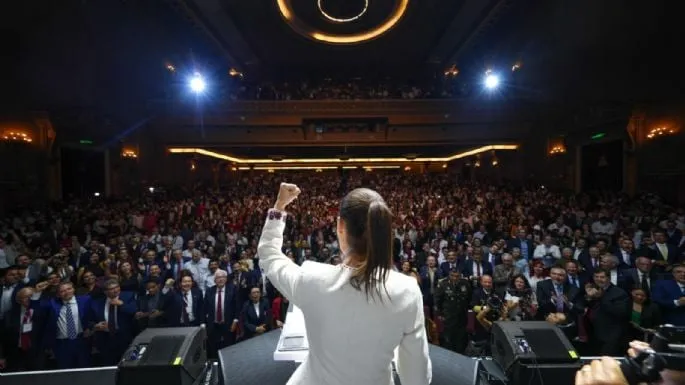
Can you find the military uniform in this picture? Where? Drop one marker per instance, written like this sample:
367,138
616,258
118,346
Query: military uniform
452,300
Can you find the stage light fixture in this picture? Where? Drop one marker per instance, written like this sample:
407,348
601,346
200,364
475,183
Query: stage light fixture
197,83
491,81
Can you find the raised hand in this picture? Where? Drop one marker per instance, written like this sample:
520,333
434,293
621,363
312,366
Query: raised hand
286,194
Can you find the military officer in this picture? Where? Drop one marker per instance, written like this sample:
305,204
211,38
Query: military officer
452,302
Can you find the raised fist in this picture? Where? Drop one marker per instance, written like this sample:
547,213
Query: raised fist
286,194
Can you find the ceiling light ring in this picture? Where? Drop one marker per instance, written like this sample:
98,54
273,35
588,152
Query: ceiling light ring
286,11
325,14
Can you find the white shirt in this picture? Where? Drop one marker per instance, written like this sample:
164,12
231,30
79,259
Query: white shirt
256,308
62,319
27,326
199,270
357,348
614,276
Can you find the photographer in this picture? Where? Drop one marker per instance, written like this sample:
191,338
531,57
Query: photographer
607,371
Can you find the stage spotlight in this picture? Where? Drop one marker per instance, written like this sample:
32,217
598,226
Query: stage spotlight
97,194
197,83
491,81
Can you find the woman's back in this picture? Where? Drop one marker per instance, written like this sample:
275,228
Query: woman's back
351,338
353,323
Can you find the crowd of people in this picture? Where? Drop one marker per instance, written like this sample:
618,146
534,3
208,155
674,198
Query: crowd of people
81,279
237,89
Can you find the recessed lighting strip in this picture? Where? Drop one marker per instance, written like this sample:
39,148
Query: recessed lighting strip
243,161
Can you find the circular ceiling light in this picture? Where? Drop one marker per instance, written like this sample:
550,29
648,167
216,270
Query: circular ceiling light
364,7
306,30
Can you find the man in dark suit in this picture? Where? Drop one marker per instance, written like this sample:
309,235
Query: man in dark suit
255,315
626,254
609,310
474,268
557,295
112,321
66,328
221,307
24,327
573,275
152,307
187,307
450,264
670,295
11,284
523,243
641,276
590,261
665,254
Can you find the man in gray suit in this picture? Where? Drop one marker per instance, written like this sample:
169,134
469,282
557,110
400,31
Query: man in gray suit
31,269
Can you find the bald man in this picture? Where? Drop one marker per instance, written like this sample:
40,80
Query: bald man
221,306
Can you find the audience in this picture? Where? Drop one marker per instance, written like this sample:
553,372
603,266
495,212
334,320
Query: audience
79,280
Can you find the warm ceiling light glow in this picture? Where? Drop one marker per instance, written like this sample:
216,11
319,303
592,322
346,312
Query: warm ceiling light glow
170,68
660,131
339,20
452,71
516,67
129,153
315,168
407,168
390,22
16,136
234,72
232,159
558,149
444,165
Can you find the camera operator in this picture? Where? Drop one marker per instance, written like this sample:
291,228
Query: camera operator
607,371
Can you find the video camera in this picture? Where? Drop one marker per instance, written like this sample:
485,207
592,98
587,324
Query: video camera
667,351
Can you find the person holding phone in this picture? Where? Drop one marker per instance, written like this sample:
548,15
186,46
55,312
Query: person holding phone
358,312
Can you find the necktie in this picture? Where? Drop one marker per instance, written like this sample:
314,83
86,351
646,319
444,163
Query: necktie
560,298
25,338
72,334
477,269
574,281
219,306
178,269
112,319
645,283
186,318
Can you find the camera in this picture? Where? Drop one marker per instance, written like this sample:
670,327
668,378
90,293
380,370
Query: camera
666,352
496,306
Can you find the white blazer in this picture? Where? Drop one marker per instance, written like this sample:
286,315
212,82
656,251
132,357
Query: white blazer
352,339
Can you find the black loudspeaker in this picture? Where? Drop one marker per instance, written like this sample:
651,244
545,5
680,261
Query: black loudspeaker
534,352
170,356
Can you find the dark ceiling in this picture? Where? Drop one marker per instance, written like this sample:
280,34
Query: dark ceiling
281,51
107,58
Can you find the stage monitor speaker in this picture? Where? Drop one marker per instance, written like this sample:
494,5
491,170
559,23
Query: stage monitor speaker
172,356
534,351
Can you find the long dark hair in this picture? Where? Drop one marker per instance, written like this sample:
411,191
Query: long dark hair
368,225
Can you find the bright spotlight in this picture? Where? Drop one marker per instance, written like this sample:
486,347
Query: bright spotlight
97,194
491,81
197,83
152,190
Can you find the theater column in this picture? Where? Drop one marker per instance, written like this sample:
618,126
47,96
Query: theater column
108,174
578,168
